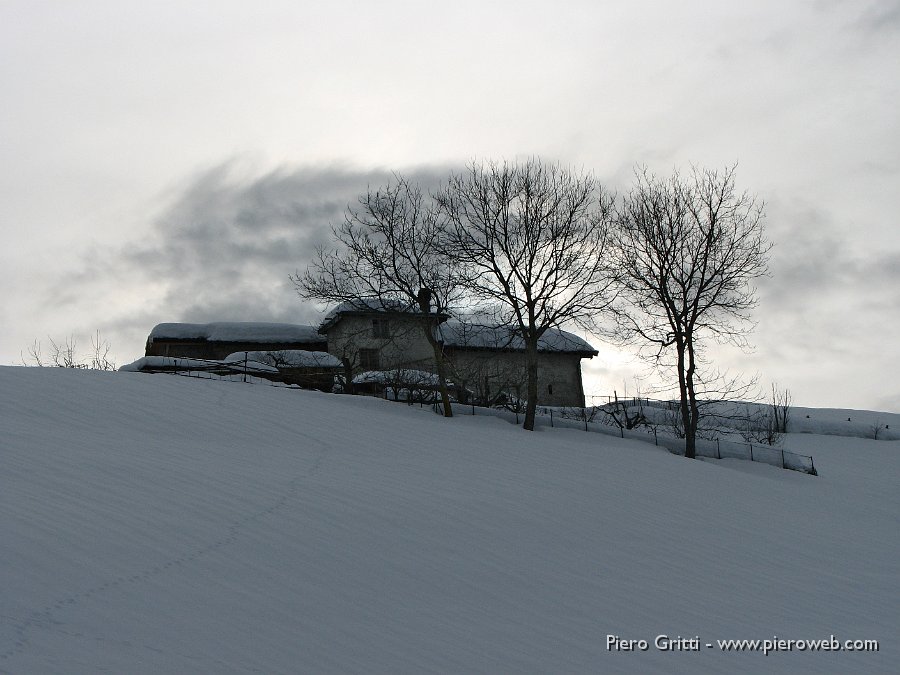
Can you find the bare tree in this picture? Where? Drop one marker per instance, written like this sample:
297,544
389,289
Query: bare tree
687,250
65,354
768,423
781,408
390,249
759,425
532,238
621,413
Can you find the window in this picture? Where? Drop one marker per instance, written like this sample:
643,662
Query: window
550,389
368,359
381,328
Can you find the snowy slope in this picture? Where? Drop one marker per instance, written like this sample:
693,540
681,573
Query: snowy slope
152,523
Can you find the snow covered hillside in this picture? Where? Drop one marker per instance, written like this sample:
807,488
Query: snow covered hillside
159,524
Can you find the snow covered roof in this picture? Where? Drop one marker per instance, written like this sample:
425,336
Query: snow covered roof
290,358
236,331
462,335
373,305
368,305
459,335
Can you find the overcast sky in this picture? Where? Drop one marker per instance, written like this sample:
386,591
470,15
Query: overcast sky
176,161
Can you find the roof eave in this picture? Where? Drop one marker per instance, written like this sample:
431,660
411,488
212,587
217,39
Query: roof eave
584,354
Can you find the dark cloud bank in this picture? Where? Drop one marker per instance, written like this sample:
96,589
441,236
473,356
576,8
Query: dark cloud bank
225,247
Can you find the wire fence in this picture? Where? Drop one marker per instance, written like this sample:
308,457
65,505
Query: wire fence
593,420
596,419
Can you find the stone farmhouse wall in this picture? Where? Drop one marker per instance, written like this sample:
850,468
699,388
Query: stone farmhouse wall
400,345
487,372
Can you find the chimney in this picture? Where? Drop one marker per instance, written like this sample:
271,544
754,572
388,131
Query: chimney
425,300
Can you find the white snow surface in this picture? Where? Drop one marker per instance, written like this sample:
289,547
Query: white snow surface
290,358
237,331
169,524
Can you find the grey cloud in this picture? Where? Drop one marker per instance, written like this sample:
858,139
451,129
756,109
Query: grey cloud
829,296
225,245
880,18
811,256
875,16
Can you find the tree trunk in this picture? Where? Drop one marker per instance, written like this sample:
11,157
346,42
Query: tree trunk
348,375
441,368
531,371
685,387
692,393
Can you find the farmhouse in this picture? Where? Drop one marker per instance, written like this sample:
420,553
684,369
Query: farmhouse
485,363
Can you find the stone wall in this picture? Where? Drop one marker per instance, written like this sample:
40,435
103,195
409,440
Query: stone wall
487,372
401,345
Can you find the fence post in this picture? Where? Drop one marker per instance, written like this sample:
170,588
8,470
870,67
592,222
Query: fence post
551,418
782,458
751,452
718,450
245,366
655,439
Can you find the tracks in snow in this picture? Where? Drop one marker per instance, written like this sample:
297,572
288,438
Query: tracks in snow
43,619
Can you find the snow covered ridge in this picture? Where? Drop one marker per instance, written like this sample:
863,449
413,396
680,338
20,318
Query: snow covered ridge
175,525
236,331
